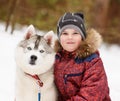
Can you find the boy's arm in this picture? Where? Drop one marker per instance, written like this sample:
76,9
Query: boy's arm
94,85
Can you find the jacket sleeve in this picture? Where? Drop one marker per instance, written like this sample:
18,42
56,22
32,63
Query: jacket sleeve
94,85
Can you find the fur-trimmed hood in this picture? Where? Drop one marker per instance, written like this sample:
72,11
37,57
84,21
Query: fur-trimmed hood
88,46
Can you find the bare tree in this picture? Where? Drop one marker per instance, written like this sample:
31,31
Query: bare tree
101,14
11,17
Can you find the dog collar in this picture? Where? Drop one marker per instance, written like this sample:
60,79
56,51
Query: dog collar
36,77
39,82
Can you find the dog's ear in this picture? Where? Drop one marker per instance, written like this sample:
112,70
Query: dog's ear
50,38
30,31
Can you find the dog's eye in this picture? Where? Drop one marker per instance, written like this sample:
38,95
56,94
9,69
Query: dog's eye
29,48
41,51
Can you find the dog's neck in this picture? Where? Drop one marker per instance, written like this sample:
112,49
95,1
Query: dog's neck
36,77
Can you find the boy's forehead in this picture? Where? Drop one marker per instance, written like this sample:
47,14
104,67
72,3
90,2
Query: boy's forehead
70,30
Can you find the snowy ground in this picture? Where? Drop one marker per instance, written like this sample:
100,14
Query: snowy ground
109,54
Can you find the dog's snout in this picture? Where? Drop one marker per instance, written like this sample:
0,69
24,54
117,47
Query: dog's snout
33,57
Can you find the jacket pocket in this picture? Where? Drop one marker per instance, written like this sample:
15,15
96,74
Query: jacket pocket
66,76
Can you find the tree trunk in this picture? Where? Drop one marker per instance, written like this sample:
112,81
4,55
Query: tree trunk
101,12
11,11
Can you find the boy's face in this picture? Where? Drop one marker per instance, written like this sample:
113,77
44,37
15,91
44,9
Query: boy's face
70,39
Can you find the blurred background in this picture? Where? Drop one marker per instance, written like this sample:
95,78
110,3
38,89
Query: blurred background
103,15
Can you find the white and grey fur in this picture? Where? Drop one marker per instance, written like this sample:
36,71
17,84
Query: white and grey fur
35,55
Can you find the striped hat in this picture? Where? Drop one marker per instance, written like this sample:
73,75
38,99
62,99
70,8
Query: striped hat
72,20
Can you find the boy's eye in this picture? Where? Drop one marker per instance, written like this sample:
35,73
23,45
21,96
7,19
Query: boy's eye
64,33
29,48
41,51
75,33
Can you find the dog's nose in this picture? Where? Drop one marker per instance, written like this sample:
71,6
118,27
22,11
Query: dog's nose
33,57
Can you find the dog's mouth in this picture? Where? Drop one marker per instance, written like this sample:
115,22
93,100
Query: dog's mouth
32,63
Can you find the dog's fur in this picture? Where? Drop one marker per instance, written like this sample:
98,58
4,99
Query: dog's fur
35,56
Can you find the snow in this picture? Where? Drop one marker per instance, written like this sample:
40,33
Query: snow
109,54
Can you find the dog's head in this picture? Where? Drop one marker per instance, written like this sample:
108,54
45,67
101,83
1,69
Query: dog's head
35,53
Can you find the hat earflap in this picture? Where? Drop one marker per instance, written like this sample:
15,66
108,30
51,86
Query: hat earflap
80,15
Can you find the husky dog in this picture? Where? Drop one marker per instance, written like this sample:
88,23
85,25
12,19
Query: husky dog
34,58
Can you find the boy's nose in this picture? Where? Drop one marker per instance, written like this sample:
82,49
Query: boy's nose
70,36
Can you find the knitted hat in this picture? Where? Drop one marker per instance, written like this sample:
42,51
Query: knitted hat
72,20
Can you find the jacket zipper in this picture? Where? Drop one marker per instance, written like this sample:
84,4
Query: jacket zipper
71,75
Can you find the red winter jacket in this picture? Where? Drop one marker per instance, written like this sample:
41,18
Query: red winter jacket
80,76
